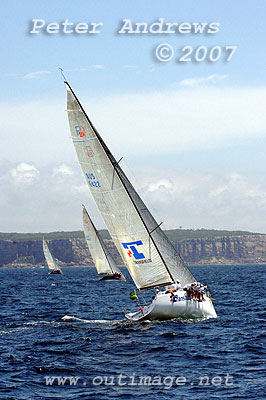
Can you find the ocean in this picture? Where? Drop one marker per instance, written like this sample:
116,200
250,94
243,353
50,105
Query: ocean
66,337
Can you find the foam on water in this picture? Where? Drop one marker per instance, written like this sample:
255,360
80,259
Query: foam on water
90,321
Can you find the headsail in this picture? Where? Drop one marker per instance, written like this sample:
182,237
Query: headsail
101,256
49,258
148,254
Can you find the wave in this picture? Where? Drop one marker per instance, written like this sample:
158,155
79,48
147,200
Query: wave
90,321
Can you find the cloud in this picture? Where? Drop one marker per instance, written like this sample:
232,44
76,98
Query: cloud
161,123
62,170
41,172
98,66
36,74
239,188
211,79
140,124
25,173
35,199
163,183
49,198
211,200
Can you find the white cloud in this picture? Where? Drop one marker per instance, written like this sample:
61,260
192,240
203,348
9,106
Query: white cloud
34,200
156,123
163,183
45,201
239,188
176,121
62,170
211,79
210,200
98,66
25,173
35,75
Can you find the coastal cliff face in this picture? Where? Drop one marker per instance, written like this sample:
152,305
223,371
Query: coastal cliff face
224,250
221,250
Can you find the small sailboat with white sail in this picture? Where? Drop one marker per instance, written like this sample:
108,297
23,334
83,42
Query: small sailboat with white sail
52,265
102,258
150,257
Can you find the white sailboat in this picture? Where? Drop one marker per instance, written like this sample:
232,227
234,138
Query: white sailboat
53,267
101,256
151,259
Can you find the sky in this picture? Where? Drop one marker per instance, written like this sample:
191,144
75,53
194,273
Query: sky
192,133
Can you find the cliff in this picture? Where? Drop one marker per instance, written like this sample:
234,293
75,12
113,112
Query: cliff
248,249
243,249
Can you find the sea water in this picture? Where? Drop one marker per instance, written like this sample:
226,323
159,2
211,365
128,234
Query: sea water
66,337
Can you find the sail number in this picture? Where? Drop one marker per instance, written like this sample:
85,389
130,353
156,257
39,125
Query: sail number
92,180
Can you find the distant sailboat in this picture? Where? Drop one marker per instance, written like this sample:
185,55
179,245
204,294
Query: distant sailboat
53,267
101,256
150,257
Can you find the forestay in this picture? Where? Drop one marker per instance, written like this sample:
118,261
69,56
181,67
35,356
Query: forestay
148,254
102,258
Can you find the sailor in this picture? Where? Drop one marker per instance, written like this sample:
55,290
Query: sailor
173,288
192,289
187,288
197,291
205,292
200,292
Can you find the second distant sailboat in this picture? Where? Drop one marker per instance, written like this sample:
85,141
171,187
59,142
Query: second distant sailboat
101,256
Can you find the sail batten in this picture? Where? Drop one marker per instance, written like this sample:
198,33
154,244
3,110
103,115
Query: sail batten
125,214
84,140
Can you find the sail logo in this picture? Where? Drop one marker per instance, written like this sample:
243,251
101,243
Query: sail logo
174,298
89,151
80,130
132,251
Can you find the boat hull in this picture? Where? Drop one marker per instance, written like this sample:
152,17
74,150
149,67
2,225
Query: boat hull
113,277
57,271
166,307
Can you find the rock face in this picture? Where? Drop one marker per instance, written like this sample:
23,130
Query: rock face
224,250
221,250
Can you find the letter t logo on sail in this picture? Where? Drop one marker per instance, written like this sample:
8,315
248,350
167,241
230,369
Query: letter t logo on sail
131,246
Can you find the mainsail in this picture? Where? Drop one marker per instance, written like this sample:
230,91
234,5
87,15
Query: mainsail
101,256
148,254
49,258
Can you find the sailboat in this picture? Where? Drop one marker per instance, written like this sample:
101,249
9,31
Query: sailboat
53,267
150,257
101,256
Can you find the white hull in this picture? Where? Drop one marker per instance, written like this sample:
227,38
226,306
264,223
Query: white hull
162,308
